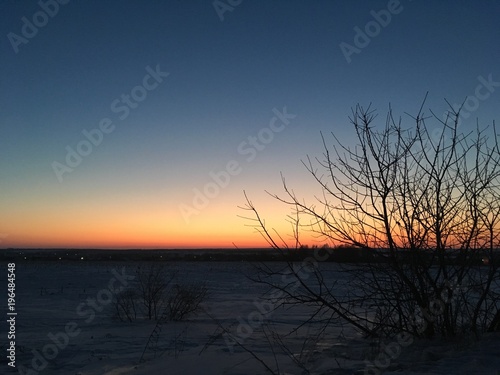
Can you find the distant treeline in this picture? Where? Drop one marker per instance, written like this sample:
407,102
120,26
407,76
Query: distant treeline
338,254
191,255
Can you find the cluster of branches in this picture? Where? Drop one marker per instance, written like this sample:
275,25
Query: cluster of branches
156,296
425,204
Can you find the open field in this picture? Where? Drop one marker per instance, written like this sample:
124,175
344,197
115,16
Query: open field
66,325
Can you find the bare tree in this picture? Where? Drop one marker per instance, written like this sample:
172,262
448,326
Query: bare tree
160,297
152,285
185,300
426,207
125,305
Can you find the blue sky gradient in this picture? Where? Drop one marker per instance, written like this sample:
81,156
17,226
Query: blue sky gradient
225,78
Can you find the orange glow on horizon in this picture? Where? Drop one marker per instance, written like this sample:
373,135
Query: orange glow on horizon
87,219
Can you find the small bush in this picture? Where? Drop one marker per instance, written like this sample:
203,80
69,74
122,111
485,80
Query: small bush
152,297
125,305
185,300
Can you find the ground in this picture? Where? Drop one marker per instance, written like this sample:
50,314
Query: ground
65,325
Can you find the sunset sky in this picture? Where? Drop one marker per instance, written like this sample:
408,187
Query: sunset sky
117,116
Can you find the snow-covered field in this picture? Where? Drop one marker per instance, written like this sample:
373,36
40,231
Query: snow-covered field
65,325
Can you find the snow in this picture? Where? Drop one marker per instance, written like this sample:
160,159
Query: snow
53,296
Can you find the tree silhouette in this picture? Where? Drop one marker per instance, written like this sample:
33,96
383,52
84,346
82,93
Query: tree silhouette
425,204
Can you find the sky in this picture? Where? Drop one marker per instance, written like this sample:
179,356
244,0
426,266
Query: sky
139,124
